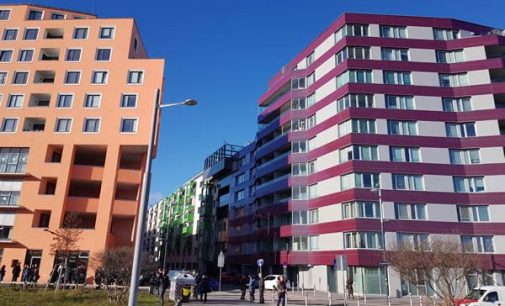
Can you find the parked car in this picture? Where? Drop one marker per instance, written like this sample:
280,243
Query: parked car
483,296
271,280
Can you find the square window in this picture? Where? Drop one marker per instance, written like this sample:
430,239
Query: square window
128,125
80,33
91,125
92,101
25,55
106,33
64,101
56,16
10,34
135,77
103,54
20,78
72,77
129,101
5,14
63,125
31,34
99,77
5,56
15,101
35,15
9,125
73,55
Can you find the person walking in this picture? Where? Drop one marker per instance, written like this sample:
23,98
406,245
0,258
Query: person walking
2,273
35,274
252,287
243,286
281,288
349,288
261,288
164,285
198,279
15,272
204,288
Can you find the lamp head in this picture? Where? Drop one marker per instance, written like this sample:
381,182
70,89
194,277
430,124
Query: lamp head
190,102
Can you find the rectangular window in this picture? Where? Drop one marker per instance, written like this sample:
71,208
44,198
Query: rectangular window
56,16
311,122
64,101
298,103
13,160
353,53
129,101
477,244
299,169
397,78
404,154
15,101
355,101
239,179
135,77
80,33
457,104
91,125
25,55
450,57
73,55
92,101
5,232
473,213
3,78
5,14
468,184
35,15
128,125
460,130
362,240
240,195
445,34
99,77
464,157
311,78
407,182
351,30
358,152
311,100
300,193
299,146
410,211
5,56
72,77
413,241
298,83
20,78
393,31
9,198
361,209
9,125
305,243
103,54
10,34
106,32
31,34
453,80
397,127
298,125
392,54
313,191
359,180
354,76
63,125
364,126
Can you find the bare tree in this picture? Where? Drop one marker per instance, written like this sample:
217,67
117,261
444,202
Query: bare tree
442,267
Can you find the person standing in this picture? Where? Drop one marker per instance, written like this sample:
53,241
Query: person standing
2,273
243,286
281,291
261,287
204,288
15,272
198,279
350,289
252,287
164,285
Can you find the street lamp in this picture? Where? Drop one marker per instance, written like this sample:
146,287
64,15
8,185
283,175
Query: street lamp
383,234
132,300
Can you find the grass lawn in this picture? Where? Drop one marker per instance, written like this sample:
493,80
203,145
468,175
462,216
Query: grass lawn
88,297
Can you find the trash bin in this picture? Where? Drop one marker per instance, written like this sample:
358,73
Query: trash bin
186,293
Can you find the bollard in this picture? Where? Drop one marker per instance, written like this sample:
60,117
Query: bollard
389,300
410,299
359,298
420,300
329,297
364,296
314,290
345,297
306,299
286,299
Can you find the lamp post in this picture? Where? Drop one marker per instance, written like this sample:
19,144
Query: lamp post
146,181
383,235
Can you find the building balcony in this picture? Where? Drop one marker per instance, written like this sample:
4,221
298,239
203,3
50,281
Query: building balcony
82,172
273,164
81,204
124,207
129,176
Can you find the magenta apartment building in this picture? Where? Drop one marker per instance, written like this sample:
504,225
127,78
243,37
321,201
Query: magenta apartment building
408,108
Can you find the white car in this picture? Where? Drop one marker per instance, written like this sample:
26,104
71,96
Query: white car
271,280
484,296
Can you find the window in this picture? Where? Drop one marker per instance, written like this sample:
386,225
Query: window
355,101
9,198
365,126
354,76
15,101
299,193
299,169
457,104
399,102
363,240
35,15
240,195
103,54
311,122
412,182
358,152
351,30
129,101
397,78
56,16
64,101
99,77
128,125
477,244
63,125
359,180
5,56
397,127
410,211
460,129
13,160
353,53
450,57
31,34
453,80
414,241
106,32
5,232
80,33
239,179
5,14
298,83
473,213
305,243
393,32
9,125
298,125
404,154
25,55
464,157
445,34
298,103
10,34
299,146
3,78
20,78
468,184
313,191
392,54
311,100
72,77
304,217
135,77
311,78
73,55
92,101
361,209
91,125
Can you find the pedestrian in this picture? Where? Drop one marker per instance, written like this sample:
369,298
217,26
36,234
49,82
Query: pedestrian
98,277
164,285
261,287
349,288
15,271
281,288
243,286
35,274
2,273
25,276
198,278
252,287
204,288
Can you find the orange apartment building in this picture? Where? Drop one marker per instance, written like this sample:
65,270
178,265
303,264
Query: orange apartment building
76,101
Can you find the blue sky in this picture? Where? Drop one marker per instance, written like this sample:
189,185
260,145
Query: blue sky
223,52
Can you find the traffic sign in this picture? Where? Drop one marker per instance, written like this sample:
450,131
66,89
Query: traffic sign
220,260
260,262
